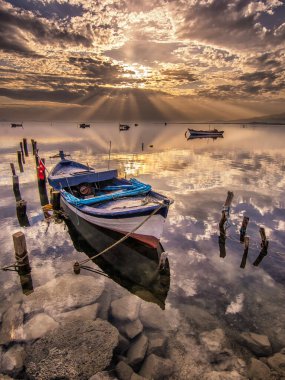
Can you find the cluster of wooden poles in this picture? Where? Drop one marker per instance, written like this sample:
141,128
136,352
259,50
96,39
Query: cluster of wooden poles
22,264
244,239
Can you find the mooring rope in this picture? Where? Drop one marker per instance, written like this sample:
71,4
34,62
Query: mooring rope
123,238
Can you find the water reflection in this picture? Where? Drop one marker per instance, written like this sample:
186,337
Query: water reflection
215,280
131,264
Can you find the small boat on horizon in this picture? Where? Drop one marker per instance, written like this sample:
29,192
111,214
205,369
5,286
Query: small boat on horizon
83,125
129,207
15,125
209,133
124,127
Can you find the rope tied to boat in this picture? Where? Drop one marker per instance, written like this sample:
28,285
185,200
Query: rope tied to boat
77,264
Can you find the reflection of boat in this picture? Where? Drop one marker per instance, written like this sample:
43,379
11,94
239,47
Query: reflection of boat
124,127
101,198
83,125
210,133
130,264
15,125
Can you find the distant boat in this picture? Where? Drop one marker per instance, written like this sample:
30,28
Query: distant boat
103,199
210,133
83,125
213,137
15,125
124,127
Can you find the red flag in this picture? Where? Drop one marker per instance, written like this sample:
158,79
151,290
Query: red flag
41,170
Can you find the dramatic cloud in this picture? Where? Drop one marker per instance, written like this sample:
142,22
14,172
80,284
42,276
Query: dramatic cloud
158,53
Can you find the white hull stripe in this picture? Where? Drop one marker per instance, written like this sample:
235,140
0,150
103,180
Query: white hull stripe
153,226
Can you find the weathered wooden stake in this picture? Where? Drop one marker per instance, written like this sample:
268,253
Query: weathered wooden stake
22,152
13,168
43,192
21,209
229,199
16,188
264,247
21,253
245,252
19,154
33,146
55,200
25,147
222,245
243,228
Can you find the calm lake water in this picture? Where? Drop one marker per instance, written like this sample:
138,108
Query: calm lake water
205,298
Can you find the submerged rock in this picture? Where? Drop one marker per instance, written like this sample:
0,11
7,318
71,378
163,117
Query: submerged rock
38,326
12,324
103,376
153,317
137,350
126,308
83,313
13,360
76,350
277,362
258,344
258,370
156,344
213,340
131,329
156,367
65,293
124,371
224,375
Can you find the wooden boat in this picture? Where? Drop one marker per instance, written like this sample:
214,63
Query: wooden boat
83,125
15,125
124,127
210,132
103,199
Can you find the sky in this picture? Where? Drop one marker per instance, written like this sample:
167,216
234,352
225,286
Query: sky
132,60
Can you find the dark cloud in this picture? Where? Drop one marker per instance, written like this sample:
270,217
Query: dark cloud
227,23
41,95
80,96
52,9
258,76
102,70
180,75
14,24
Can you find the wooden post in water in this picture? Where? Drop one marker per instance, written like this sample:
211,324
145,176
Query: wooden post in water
33,146
245,252
19,155
13,168
222,224
21,209
16,188
55,200
21,253
36,153
22,152
25,147
243,228
264,247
